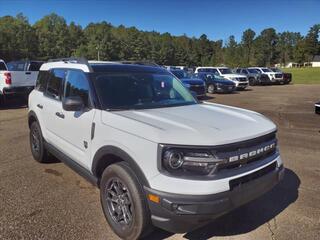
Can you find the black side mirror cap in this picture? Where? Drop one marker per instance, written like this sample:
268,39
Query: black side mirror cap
73,104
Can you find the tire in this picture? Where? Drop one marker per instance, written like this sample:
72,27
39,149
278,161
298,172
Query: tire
120,184
252,81
38,150
211,89
1,100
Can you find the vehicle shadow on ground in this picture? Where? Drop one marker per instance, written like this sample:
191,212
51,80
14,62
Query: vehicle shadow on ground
13,104
250,216
205,98
246,89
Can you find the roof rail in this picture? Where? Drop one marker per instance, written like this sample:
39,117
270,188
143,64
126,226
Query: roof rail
79,60
147,63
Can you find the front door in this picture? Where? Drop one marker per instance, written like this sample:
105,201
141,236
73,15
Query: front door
77,125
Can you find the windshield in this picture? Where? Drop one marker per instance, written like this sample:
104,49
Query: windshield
181,74
136,90
266,70
225,71
253,70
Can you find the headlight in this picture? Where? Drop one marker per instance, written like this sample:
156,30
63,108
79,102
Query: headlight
187,85
189,161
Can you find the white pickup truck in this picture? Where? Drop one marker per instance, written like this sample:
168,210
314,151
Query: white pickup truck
18,77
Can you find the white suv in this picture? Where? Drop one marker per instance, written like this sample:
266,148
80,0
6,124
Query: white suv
274,77
159,157
240,80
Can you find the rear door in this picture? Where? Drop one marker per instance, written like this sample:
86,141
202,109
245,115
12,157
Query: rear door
52,108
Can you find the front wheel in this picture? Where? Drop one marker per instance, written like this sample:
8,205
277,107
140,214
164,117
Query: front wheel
124,203
252,81
211,89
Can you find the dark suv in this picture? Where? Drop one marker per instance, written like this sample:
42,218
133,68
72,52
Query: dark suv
215,83
194,84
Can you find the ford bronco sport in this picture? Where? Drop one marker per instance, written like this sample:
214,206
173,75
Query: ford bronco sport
159,157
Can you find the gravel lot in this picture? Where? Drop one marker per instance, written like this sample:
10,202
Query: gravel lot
50,201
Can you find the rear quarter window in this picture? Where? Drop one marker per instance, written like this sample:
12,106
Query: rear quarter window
42,81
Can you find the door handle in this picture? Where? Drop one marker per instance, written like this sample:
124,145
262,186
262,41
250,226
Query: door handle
39,106
28,73
60,115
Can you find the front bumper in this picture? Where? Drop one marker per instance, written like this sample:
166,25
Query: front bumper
242,85
182,213
277,81
225,88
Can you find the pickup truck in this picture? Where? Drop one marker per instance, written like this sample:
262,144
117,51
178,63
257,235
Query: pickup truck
18,77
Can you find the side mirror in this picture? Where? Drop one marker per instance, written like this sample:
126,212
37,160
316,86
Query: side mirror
73,104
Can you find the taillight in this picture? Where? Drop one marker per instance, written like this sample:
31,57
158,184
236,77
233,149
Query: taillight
7,78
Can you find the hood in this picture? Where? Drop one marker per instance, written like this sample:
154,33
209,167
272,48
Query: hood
203,124
192,81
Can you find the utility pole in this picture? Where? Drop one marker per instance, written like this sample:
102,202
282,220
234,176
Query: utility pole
98,48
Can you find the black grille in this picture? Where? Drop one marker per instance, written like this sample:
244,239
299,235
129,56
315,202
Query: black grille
247,178
278,75
198,89
242,79
244,148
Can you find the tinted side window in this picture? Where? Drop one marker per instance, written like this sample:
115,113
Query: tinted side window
244,71
238,70
42,80
35,66
77,85
55,83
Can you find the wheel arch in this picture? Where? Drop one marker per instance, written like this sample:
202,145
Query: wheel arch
108,155
32,117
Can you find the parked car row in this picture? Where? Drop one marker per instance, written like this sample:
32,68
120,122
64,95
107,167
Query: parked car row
19,78
226,80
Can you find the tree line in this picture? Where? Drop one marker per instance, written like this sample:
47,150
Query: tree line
52,37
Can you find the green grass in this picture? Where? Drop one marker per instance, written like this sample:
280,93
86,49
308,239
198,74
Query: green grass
304,75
